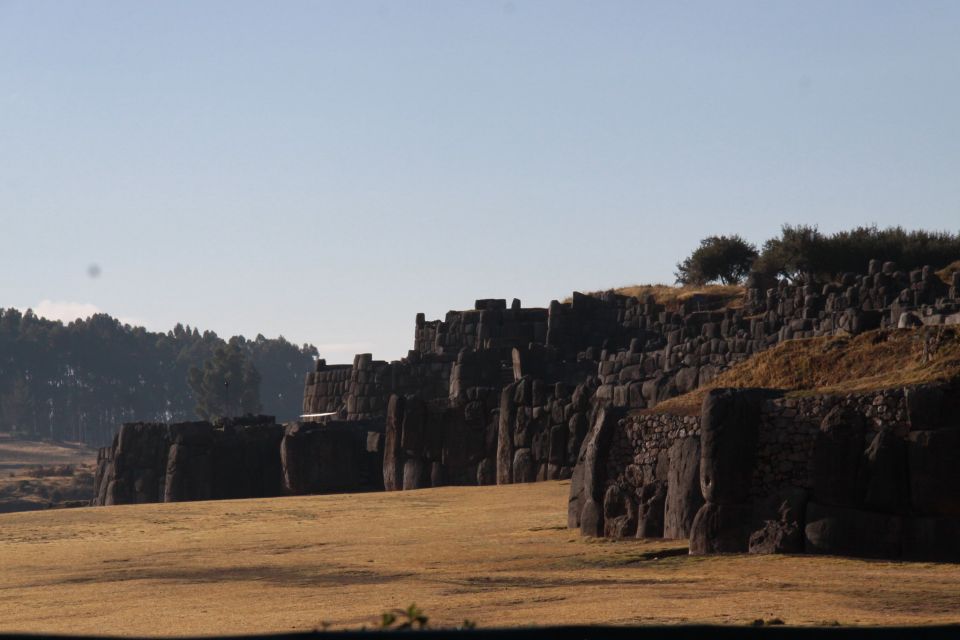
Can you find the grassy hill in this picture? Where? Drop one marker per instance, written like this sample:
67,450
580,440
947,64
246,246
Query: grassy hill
873,360
711,296
499,556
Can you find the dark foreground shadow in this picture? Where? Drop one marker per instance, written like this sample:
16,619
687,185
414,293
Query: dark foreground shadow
598,633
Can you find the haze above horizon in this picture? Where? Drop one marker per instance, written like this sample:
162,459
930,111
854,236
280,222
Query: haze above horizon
327,170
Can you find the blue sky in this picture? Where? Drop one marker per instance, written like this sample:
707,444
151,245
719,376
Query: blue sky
326,170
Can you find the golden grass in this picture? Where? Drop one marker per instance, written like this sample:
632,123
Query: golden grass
18,455
20,490
946,274
881,359
717,296
499,556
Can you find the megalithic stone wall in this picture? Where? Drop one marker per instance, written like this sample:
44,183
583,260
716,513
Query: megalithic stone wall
250,457
866,474
596,351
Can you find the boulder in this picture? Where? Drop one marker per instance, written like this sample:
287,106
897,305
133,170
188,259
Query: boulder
658,389
721,528
486,472
619,514
934,468
783,519
777,537
524,469
413,474
686,379
650,512
851,532
591,519
683,498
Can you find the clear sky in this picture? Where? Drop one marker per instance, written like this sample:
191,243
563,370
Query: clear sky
325,170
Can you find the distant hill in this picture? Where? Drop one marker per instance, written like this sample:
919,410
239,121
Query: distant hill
36,474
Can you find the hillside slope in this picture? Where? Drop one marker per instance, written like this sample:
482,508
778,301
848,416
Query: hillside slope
870,361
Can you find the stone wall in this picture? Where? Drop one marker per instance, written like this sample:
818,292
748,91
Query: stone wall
250,457
789,428
646,476
866,474
603,350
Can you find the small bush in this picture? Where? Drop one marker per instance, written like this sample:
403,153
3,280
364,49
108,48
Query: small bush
402,619
53,471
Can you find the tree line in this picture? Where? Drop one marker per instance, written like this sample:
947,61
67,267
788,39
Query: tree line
803,252
79,381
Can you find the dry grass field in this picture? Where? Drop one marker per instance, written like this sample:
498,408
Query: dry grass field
35,473
499,556
713,296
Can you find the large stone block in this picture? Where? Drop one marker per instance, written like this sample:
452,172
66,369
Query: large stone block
412,438
619,514
934,459
838,456
586,489
721,528
683,498
730,420
189,473
486,472
415,474
650,511
852,532
524,469
505,447
886,481
393,454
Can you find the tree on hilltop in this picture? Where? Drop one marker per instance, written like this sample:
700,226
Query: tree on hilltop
724,259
